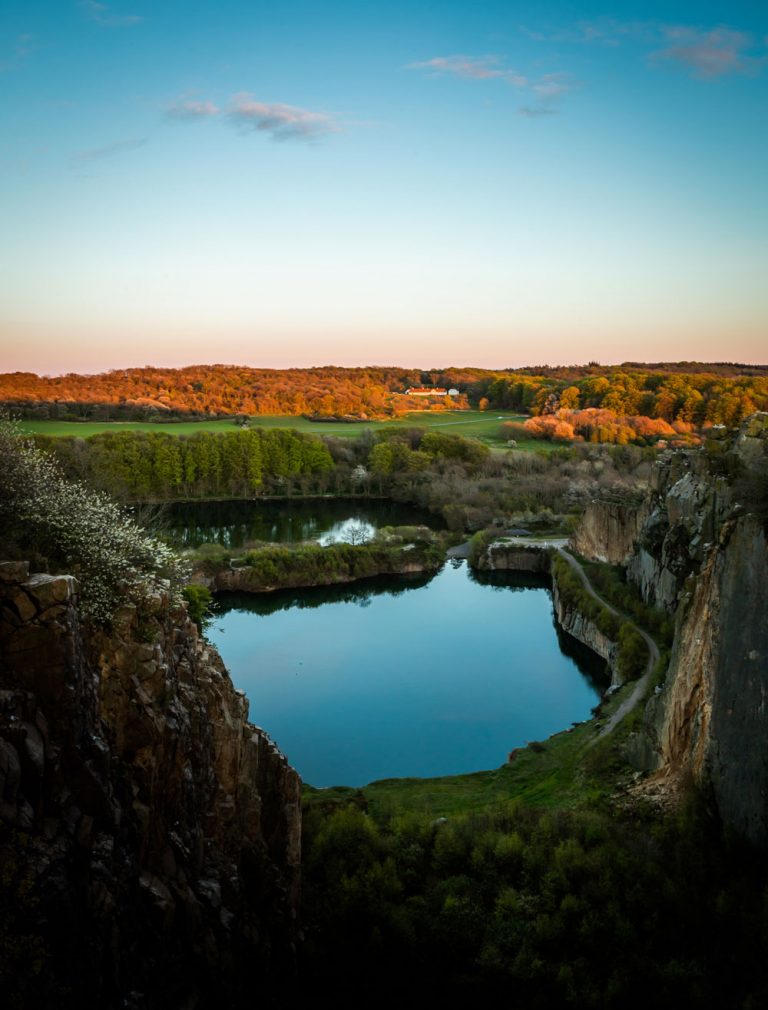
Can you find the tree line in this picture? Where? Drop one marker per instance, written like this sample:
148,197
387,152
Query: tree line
695,398
155,466
690,392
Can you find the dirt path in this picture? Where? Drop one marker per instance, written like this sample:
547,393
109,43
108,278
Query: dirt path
641,685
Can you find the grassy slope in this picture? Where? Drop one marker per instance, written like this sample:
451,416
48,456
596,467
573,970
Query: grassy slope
478,424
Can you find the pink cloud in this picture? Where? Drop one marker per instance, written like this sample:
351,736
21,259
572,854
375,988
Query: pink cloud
281,122
708,54
193,110
478,68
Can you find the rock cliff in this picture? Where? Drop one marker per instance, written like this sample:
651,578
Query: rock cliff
702,555
150,834
580,627
609,530
663,539
511,557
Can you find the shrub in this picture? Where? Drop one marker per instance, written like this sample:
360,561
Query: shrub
79,528
198,601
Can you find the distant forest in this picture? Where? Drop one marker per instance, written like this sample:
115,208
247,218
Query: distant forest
691,393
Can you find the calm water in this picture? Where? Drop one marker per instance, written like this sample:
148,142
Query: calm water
236,523
405,678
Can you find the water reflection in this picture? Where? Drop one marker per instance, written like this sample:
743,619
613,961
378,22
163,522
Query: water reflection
359,594
403,676
236,524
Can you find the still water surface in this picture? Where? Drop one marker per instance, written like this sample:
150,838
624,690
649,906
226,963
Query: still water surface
328,520
405,677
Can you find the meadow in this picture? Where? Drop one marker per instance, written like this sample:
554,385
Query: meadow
483,425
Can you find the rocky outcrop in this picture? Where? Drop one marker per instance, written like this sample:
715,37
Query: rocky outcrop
709,721
663,539
703,554
511,557
577,624
151,834
246,580
609,530
691,501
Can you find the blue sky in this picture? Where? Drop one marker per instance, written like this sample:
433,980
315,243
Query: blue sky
425,184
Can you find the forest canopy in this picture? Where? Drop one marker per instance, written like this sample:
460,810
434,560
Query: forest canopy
693,393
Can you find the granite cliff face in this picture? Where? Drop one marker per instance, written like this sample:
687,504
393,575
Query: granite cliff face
663,539
609,530
511,557
709,720
702,555
150,833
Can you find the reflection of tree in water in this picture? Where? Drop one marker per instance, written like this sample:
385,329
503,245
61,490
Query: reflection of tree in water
516,581
236,524
360,594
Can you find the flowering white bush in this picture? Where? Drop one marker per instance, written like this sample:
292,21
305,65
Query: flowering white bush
114,559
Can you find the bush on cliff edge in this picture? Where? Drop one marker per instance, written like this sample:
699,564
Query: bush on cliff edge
43,512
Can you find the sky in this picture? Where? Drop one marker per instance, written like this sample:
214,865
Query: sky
417,183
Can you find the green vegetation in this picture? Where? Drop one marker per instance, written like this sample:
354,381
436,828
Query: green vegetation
574,595
632,651
50,520
199,600
438,469
611,582
587,907
85,429
156,466
309,564
475,423
478,544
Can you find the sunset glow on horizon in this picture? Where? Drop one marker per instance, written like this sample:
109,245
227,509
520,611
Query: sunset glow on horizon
495,185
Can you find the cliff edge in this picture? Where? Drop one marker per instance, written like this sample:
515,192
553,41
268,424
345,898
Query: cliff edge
149,834
700,552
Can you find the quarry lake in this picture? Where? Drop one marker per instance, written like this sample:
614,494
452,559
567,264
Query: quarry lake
236,523
405,676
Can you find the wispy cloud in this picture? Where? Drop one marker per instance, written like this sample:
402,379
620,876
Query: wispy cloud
708,54
109,150
552,86
102,14
281,122
477,68
534,111
276,119
545,91
192,110
549,90
604,31
22,47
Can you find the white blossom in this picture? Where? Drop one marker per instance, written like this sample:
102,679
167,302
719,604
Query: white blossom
112,557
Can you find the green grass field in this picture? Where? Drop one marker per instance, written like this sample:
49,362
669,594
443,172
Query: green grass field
483,425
